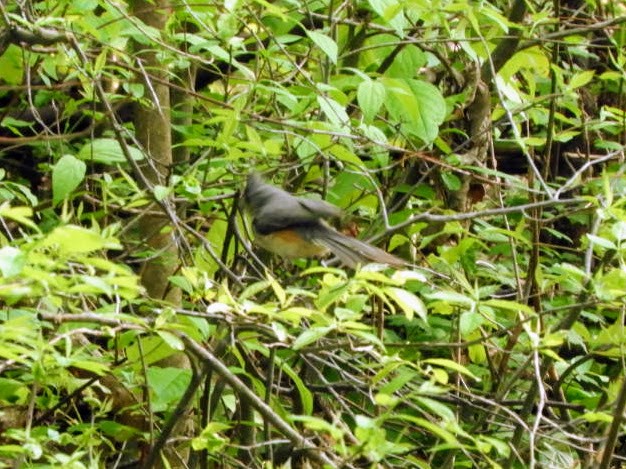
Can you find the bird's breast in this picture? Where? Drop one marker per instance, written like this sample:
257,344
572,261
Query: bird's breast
289,244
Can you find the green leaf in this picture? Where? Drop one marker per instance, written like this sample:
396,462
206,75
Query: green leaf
619,230
279,291
11,64
452,365
612,285
12,260
469,322
371,96
603,417
161,192
451,297
418,105
581,79
172,340
502,447
311,335
334,111
477,352
67,175
509,306
408,302
431,427
438,408
328,296
167,386
451,181
601,242
21,215
107,151
391,11
210,438
533,58
318,424
92,284
407,63
402,276
117,430
71,239
96,367
306,396
343,154
326,44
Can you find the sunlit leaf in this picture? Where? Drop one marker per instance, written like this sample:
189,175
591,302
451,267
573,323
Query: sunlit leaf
12,260
371,96
72,239
408,302
325,43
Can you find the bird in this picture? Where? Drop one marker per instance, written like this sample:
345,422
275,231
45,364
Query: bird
295,227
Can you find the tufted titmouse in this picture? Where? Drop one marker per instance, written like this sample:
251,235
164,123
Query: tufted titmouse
294,227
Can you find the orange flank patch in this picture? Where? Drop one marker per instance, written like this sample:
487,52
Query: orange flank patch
289,244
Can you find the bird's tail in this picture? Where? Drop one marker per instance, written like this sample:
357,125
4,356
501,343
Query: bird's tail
352,251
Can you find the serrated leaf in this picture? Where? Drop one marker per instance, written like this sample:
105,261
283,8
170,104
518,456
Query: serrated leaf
67,174
167,385
417,105
370,96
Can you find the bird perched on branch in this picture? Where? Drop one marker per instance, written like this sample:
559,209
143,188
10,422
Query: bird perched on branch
295,227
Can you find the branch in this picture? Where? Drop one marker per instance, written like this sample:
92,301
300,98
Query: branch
259,405
611,439
222,370
477,214
572,32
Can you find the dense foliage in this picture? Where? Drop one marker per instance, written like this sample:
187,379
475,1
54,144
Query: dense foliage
481,141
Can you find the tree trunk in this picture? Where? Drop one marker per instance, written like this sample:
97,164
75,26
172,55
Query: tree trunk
153,131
